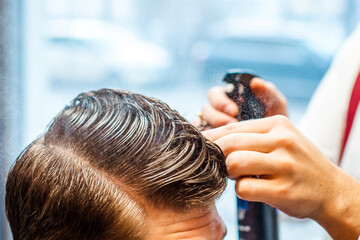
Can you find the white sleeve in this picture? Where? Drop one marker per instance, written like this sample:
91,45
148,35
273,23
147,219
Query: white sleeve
324,121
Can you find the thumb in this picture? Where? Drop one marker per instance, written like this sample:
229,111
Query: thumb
275,102
261,88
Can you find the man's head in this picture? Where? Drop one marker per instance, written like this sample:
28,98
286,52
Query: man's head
116,165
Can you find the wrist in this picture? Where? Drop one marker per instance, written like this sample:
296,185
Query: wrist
340,212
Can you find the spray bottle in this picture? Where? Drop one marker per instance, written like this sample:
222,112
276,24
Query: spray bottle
256,221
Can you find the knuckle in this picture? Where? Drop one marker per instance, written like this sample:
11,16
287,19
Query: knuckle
288,167
281,119
285,140
283,190
230,128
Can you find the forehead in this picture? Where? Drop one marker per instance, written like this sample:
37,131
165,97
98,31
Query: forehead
200,223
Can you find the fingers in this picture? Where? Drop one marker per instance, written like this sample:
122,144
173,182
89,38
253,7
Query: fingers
263,125
256,190
216,118
249,126
265,90
245,141
275,102
222,110
260,87
248,163
221,102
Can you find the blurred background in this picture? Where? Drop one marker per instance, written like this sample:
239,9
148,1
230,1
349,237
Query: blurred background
51,50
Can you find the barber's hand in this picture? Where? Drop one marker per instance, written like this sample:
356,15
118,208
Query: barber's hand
221,110
294,176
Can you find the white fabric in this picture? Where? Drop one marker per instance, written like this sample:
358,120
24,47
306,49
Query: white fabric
325,119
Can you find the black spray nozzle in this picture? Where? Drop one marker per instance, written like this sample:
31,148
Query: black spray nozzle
239,90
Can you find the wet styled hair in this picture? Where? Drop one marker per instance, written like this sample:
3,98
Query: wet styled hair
105,158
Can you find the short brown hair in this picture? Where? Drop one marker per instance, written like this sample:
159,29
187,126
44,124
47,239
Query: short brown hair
103,158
